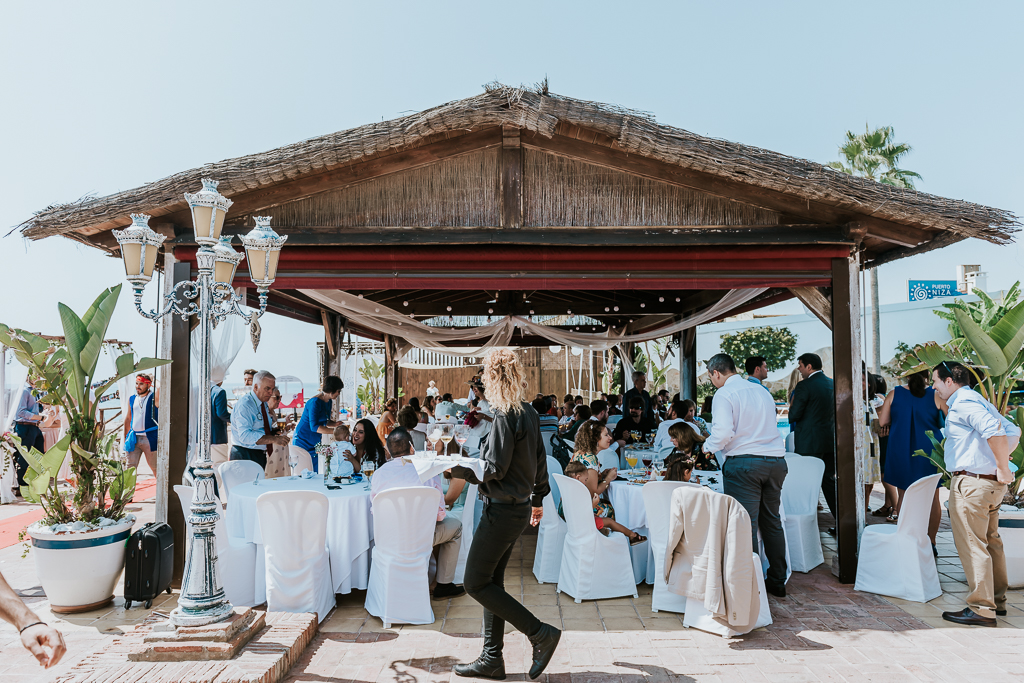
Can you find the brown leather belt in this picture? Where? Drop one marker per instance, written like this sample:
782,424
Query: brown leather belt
965,473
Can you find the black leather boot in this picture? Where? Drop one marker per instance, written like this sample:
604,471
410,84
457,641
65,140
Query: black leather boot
482,668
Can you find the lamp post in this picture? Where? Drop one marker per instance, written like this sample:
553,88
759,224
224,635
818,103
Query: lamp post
202,600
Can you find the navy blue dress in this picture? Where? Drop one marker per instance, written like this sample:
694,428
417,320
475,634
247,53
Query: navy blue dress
315,414
910,418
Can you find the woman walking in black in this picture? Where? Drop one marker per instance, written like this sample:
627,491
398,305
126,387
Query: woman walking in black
515,482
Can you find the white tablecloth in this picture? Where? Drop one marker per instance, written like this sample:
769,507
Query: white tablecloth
427,466
349,526
628,500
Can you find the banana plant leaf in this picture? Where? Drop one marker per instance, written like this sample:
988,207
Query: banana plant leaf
1008,333
937,457
990,353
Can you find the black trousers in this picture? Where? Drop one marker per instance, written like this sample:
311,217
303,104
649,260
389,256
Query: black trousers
756,482
828,480
31,437
493,543
254,454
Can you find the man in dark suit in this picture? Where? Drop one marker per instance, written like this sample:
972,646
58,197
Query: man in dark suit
812,414
219,414
640,390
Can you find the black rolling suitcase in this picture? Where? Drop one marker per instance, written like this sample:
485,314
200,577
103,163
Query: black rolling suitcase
148,563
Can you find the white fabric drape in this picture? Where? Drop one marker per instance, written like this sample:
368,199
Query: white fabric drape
415,334
225,343
15,378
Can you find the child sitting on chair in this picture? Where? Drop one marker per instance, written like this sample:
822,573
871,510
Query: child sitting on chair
605,524
344,462
687,455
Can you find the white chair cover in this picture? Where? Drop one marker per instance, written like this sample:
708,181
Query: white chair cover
403,530
800,500
468,529
547,560
305,460
294,527
791,443
238,472
613,420
658,505
236,559
897,560
698,617
608,458
571,445
760,546
545,435
594,566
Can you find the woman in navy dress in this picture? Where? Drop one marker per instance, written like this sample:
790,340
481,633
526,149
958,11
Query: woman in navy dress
911,411
316,418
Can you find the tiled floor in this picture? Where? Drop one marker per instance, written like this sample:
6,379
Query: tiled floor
822,631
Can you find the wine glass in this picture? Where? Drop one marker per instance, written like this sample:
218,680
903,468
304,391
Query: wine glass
293,462
631,459
461,436
369,467
433,436
447,434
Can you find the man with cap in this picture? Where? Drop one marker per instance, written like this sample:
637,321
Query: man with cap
140,423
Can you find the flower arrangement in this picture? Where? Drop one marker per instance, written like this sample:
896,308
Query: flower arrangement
325,452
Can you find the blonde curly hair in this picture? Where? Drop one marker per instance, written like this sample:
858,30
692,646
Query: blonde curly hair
503,380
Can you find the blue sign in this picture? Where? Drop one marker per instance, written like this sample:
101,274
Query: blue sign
922,290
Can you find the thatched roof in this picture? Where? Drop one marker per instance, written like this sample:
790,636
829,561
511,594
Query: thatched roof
634,132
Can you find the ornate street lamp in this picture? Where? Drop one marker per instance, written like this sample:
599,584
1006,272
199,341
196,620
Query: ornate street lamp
202,600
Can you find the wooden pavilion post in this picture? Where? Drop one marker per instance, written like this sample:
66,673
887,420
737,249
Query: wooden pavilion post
392,373
846,345
177,389
332,350
688,365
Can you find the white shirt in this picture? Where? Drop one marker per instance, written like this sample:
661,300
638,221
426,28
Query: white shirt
139,412
340,466
432,391
662,439
398,473
971,422
743,421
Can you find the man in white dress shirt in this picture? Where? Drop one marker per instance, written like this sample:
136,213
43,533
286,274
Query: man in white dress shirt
978,456
744,435
396,473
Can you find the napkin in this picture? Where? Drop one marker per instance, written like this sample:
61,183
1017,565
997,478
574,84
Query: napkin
306,474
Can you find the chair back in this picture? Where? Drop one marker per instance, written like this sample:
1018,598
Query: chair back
294,527
468,517
577,506
791,442
608,458
403,523
554,467
419,440
545,435
559,450
238,472
613,420
305,460
917,507
658,505
802,484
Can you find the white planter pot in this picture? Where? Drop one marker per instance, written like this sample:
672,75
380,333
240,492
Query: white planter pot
1011,530
78,570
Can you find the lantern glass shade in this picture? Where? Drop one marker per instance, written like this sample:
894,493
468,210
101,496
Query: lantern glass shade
262,263
134,262
224,271
203,216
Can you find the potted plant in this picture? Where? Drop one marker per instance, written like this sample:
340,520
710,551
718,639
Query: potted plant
988,339
79,543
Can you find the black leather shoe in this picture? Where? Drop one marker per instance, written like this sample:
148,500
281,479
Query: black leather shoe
447,590
544,644
777,592
968,618
482,668
1000,613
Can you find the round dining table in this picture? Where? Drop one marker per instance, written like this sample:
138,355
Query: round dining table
349,527
627,498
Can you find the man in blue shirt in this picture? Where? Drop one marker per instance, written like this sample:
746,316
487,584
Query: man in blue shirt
757,370
26,426
251,425
977,454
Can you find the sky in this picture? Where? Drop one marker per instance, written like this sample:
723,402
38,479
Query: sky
105,96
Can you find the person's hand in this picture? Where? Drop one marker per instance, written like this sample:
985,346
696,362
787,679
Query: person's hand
282,439
1003,475
612,474
45,643
535,515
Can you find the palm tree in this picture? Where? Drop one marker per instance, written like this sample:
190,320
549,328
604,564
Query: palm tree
876,156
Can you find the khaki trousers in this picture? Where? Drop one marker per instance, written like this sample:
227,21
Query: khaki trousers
447,540
974,516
